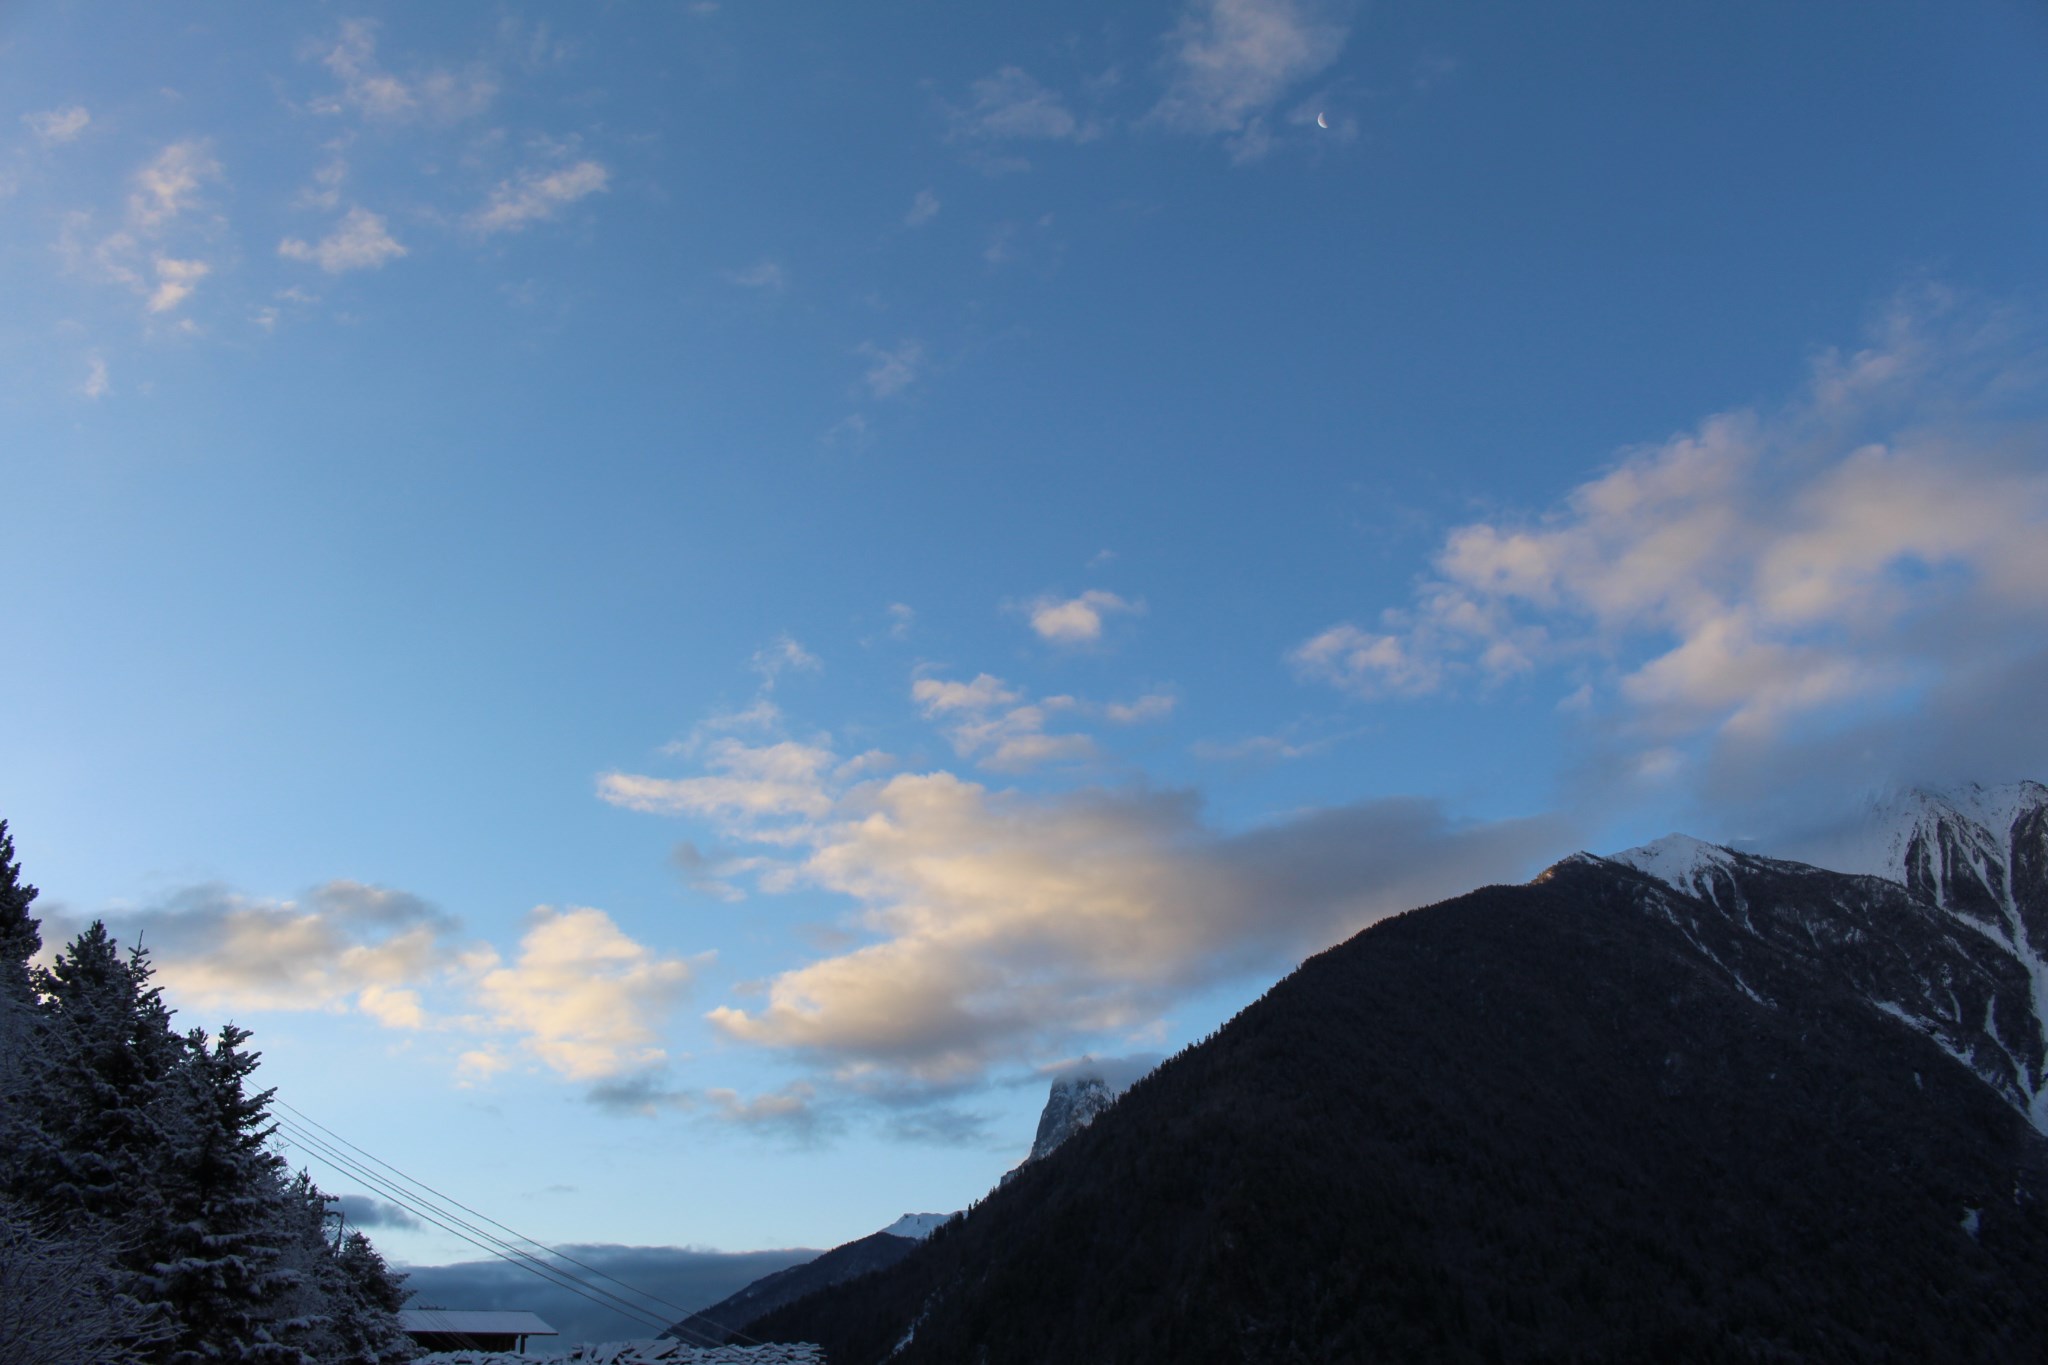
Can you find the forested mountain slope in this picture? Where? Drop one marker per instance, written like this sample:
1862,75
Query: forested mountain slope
1532,1123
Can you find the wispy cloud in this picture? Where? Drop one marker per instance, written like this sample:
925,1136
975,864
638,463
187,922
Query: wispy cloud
1010,105
371,90
789,1111
325,191
535,195
96,385
781,655
760,275
55,126
746,785
1150,707
990,723
360,242
175,281
1230,61
923,209
170,184
891,369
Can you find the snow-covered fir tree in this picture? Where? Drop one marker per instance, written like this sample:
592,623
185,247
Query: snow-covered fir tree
145,1218
220,1274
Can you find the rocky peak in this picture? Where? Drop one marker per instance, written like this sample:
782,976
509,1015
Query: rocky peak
1075,1102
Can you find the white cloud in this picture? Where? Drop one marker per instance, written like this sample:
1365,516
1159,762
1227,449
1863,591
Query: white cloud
758,714
58,125
359,243
1887,527
96,384
584,997
535,195
376,93
325,192
891,371
581,996
990,926
923,209
170,184
175,281
1231,60
343,945
901,618
1006,928
1077,620
1009,105
936,696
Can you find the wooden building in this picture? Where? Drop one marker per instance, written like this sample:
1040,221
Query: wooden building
450,1329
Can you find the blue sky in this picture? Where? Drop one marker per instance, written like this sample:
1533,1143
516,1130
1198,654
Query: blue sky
675,603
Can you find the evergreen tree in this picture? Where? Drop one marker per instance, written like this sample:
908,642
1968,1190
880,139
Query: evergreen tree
222,1276
367,1312
20,935
101,1077
20,940
144,1219
343,1310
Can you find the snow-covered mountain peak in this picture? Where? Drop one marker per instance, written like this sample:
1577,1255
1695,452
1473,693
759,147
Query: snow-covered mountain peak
1680,861
1964,918
919,1226
1075,1101
1972,816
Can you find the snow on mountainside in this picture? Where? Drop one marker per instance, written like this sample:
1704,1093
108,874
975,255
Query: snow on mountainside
918,1226
1681,862
1962,954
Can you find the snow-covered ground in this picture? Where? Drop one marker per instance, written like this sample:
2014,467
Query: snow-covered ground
661,1352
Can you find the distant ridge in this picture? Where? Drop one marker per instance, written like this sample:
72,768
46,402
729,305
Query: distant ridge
848,1261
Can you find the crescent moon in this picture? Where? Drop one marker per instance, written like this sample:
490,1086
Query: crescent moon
1322,122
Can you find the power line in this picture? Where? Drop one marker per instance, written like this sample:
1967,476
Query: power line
469,1233
686,1313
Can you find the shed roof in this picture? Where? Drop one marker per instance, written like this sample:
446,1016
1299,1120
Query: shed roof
474,1323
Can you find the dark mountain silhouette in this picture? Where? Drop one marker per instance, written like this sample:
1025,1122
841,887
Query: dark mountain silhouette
1765,1113
847,1261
